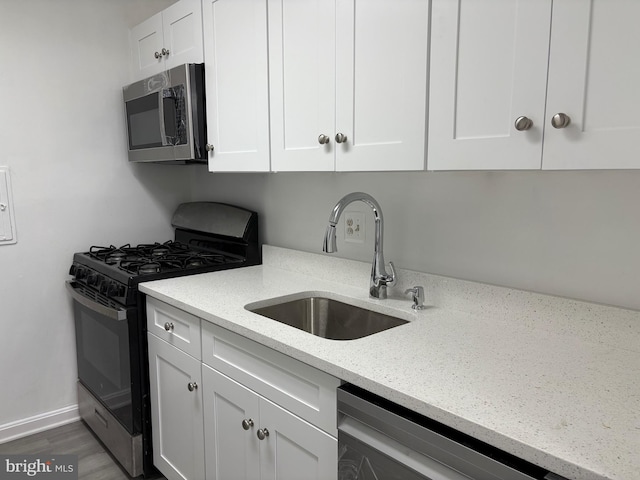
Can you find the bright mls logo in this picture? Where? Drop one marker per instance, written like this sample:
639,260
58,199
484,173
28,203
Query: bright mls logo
54,467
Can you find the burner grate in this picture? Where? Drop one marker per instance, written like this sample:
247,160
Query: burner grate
146,259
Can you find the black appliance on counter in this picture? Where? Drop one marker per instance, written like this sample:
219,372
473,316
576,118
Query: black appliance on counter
110,317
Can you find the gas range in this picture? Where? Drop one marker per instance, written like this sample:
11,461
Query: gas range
115,272
208,237
110,317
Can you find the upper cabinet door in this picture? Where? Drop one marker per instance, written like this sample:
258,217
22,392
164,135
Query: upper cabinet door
594,74
182,32
166,40
302,84
146,41
381,78
488,71
237,84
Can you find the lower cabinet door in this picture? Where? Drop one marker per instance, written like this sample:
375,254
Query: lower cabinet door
247,437
294,449
176,411
230,424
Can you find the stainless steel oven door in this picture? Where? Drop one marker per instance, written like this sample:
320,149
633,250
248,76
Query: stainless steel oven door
104,352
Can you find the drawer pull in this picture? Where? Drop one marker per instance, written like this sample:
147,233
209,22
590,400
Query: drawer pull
263,433
168,327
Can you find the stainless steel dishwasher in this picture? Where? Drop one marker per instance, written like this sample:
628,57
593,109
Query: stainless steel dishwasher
379,440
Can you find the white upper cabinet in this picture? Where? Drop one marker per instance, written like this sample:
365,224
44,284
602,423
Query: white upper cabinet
502,69
168,39
348,84
381,78
302,48
594,79
488,68
237,84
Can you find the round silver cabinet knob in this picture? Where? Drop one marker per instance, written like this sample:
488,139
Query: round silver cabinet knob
262,433
157,55
168,327
3,207
247,423
165,52
523,123
192,386
341,138
323,139
209,147
560,120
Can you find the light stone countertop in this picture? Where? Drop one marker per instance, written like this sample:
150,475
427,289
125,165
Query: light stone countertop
551,380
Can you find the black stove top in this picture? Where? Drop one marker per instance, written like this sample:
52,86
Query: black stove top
208,237
153,258
115,272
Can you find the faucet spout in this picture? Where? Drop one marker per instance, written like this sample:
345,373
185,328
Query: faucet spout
379,277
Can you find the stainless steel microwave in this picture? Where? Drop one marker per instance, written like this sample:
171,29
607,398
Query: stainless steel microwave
165,116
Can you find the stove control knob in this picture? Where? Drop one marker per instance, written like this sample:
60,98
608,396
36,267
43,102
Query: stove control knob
72,270
112,290
92,279
80,273
104,288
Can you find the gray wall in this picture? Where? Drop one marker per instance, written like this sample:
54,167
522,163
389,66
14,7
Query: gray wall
574,234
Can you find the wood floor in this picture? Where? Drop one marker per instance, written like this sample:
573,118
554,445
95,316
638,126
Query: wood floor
94,462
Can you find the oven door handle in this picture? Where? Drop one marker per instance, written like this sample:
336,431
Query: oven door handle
112,313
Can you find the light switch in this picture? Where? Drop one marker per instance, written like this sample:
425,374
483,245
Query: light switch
7,222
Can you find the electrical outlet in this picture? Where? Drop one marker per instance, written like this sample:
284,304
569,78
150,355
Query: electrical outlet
354,227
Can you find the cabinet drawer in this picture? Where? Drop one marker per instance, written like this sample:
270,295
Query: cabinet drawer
296,386
175,326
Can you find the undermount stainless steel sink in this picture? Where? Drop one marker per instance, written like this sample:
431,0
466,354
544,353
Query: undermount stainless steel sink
327,318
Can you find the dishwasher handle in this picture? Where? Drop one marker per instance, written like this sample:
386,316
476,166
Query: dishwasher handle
426,467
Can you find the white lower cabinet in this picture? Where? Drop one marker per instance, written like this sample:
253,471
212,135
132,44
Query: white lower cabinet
240,410
176,411
249,437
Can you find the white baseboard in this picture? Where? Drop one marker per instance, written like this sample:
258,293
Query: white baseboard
38,423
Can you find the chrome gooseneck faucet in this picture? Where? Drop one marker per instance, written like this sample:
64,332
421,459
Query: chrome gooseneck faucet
379,277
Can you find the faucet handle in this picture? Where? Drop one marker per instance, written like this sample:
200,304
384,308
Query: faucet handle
391,277
417,294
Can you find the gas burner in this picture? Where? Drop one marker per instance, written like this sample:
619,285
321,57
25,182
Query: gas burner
195,261
147,268
115,257
111,255
159,251
140,266
145,265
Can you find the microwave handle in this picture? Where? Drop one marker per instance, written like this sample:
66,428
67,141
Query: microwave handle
114,314
163,130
